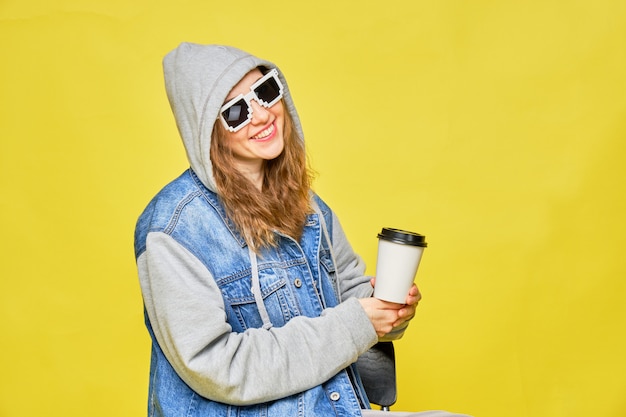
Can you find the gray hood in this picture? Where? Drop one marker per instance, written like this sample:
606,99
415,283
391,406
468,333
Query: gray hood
197,80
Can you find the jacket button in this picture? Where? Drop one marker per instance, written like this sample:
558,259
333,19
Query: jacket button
297,282
335,396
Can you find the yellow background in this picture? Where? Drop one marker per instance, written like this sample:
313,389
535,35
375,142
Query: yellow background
496,128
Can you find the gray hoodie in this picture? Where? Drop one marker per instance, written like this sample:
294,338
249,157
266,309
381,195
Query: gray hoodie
197,79
182,300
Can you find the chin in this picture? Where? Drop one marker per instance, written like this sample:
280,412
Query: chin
277,148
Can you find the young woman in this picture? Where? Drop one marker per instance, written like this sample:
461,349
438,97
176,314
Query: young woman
254,299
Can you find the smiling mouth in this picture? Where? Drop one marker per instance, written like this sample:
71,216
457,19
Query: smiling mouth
265,133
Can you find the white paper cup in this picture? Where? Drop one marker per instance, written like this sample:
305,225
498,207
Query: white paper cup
399,256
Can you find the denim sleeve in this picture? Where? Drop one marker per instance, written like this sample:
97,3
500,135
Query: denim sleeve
187,314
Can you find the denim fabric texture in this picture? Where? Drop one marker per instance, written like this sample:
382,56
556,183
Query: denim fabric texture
296,278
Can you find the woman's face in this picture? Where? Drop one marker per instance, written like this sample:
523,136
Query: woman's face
262,138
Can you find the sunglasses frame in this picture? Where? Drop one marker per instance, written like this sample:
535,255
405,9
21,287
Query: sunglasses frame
248,97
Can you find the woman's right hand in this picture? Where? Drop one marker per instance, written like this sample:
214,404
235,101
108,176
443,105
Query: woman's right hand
382,314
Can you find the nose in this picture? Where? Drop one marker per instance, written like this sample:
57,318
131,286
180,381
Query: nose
260,114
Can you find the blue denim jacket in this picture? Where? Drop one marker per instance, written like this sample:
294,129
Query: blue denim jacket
296,278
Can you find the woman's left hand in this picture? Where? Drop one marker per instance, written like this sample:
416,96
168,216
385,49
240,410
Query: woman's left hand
407,312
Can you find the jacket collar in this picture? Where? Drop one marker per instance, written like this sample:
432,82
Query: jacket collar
213,199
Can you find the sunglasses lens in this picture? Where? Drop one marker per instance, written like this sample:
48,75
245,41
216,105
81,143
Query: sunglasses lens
268,91
236,113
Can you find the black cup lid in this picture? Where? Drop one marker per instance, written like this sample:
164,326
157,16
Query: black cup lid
403,237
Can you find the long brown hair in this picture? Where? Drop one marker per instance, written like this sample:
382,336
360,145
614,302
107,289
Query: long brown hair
283,202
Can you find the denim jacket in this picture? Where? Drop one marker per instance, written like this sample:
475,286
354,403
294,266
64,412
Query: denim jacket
297,281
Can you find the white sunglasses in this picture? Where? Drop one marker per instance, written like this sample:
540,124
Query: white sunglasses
237,113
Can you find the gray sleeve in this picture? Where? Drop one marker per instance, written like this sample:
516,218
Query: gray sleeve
352,281
351,268
186,311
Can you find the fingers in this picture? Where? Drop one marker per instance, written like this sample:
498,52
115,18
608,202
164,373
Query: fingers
385,316
382,314
414,296
405,314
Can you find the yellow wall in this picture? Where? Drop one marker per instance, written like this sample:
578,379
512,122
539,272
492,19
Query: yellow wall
495,128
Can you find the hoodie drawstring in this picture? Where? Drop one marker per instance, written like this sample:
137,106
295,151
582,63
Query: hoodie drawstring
256,282
256,290
330,247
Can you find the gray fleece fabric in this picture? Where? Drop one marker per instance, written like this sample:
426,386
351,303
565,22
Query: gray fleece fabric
189,320
197,80
188,314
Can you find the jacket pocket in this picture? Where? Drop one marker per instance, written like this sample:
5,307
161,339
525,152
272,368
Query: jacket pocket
239,297
327,262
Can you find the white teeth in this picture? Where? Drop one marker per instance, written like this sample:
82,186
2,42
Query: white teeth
264,133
